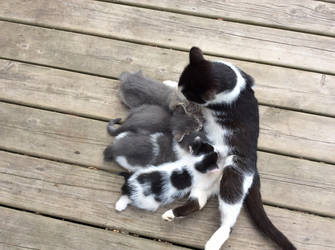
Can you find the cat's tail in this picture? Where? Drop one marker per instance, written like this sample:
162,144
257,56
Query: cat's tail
253,202
108,153
111,127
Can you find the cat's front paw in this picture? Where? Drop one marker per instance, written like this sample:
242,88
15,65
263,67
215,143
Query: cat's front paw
168,215
212,245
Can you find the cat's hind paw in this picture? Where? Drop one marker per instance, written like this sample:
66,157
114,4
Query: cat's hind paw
168,215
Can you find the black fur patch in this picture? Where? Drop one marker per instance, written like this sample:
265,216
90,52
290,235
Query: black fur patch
190,207
199,147
231,186
208,163
155,179
181,179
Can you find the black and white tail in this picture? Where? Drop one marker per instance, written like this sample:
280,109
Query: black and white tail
253,202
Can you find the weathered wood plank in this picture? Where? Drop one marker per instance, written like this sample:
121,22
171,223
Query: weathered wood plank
279,86
217,37
60,90
22,230
82,141
89,196
295,133
302,15
282,131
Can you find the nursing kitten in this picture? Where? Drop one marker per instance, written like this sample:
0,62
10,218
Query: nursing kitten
135,88
232,127
155,186
151,135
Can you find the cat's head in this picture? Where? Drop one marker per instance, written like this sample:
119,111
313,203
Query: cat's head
202,81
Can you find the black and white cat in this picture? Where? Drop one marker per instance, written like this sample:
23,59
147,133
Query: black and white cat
231,125
231,113
197,175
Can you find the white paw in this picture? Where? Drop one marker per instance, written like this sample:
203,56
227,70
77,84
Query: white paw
122,203
212,245
168,215
171,84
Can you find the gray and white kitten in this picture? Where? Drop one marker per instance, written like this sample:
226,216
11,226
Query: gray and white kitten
155,186
150,135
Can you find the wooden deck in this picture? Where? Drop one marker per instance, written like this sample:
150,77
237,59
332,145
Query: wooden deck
59,67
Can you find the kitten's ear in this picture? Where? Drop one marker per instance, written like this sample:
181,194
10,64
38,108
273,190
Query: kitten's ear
196,56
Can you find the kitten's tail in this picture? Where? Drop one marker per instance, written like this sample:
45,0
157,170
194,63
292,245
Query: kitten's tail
253,202
108,153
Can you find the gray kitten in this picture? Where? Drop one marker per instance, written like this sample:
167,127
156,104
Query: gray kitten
151,135
157,129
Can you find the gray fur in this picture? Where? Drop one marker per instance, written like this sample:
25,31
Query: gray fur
155,108
137,90
149,118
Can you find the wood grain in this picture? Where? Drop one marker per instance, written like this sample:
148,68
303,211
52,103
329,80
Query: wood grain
300,90
60,90
303,15
22,230
240,41
81,141
281,131
88,196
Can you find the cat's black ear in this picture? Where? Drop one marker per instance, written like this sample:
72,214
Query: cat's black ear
196,56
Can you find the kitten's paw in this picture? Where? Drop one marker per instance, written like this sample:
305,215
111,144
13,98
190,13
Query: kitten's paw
122,203
171,84
168,215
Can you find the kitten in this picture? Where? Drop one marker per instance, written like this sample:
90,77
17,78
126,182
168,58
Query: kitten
151,135
136,90
231,125
155,186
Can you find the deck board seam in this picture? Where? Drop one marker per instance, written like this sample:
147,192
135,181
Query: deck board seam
215,17
158,45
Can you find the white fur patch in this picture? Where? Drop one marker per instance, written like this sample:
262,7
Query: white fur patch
155,145
122,203
230,96
122,161
216,133
168,215
120,136
171,84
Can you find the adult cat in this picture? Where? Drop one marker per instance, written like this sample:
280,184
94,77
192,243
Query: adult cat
232,126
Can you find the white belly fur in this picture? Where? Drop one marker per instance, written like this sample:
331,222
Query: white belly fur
216,134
